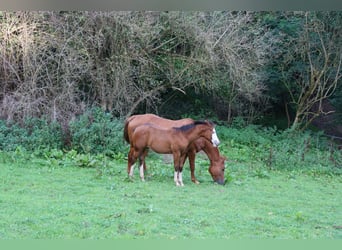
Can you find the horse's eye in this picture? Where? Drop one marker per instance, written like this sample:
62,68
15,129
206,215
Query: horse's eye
222,169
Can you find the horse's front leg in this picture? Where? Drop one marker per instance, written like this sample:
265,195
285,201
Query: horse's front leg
178,163
192,155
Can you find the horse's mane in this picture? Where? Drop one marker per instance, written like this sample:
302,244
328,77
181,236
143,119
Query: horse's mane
191,125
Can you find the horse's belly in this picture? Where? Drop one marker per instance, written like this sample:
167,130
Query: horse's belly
160,147
160,150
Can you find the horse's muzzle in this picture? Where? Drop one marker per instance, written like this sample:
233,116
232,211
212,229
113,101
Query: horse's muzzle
221,182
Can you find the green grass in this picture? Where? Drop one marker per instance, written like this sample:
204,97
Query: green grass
41,200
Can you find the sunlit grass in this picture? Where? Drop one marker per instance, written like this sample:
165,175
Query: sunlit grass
40,201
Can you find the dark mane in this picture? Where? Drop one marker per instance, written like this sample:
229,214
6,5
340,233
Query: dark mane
191,125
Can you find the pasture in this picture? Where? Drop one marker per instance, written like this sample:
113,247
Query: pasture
46,199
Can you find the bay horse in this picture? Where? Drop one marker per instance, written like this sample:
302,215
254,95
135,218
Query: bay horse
173,141
217,162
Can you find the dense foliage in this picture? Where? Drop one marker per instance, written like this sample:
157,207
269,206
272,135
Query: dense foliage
96,137
226,64
266,148
237,68
97,132
33,135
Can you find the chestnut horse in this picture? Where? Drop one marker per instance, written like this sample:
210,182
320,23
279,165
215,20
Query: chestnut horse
217,162
217,165
166,141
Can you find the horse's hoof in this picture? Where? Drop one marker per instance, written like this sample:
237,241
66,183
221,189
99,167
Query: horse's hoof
180,184
130,179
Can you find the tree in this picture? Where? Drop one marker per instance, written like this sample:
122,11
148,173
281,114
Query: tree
320,52
238,55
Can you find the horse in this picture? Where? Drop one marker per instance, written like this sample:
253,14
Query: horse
217,165
217,162
135,120
173,141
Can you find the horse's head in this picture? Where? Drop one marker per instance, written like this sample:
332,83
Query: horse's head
217,170
210,133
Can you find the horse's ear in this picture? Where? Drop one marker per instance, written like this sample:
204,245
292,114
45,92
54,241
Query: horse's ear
209,122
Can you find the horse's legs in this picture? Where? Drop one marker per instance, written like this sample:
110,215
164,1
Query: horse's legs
181,164
178,161
176,156
141,170
144,162
192,155
131,160
142,166
178,178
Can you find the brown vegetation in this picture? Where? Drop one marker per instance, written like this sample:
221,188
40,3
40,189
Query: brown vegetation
57,64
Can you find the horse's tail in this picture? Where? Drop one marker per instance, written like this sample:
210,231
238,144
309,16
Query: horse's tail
125,134
128,119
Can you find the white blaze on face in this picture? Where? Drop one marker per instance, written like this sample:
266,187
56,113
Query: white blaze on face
214,139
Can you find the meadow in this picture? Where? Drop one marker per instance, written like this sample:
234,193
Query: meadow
73,196
69,79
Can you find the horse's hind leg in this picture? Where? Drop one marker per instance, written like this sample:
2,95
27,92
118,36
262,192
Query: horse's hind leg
132,157
144,155
142,163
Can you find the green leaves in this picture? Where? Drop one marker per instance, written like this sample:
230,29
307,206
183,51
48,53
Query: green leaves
267,149
97,132
34,135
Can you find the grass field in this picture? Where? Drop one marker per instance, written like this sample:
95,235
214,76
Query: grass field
41,200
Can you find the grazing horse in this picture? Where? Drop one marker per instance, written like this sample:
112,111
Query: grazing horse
173,141
136,120
217,165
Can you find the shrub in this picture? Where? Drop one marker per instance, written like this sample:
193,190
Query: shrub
35,134
11,136
280,150
97,132
42,135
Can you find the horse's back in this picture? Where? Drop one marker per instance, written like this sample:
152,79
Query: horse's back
137,120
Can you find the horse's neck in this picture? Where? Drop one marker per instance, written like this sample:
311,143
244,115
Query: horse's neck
211,151
193,133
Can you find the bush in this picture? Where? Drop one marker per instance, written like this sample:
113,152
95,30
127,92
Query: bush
42,135
11,136
269,148
36,134
97,132
93,132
